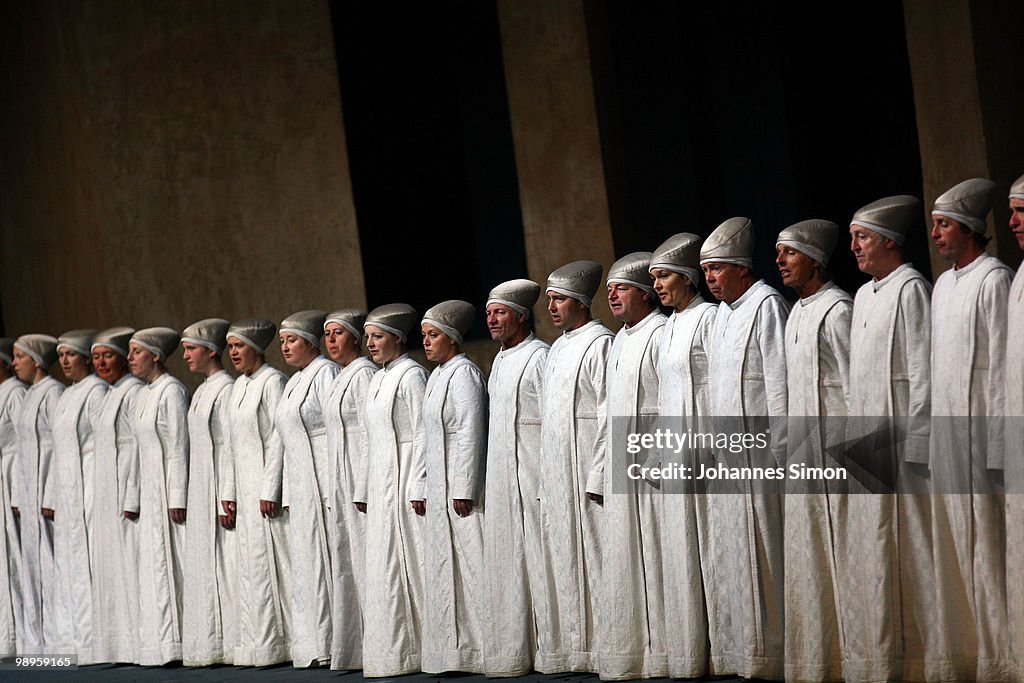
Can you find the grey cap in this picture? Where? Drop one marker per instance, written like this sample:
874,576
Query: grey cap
210,333
968,203
1017,189
398,319
160,341
256,333
731,242
519,295
41,347
79,341
815,238
306,324
453,317
351,319
633,269
680,253
7,350
115,338
891,217
578,280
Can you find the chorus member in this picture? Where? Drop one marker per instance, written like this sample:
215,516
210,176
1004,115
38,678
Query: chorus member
1014,437
12,391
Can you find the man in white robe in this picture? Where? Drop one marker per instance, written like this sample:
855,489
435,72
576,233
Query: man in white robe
748,395
968,391
817,356
208,601
887,543
632,627
515,600
12,392
573,432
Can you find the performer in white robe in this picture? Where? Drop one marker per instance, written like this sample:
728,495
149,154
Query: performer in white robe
343,332
12,392
748,395
514,576
394,493
299,421
33,356
70,493
250,491
887,542
161,428
573,433
453,429
208,602
115,512
632,628
818,359
684,398
968,381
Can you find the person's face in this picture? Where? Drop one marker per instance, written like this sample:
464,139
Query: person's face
338,340
629,304
110,365
24,366
869,248
1017,220
671,287
795,267
951,239
383,346
74,365
437,345
197,358
566,313
297,351
725,280
246,359
141,361
503,323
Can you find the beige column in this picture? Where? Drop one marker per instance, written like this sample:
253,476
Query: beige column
557,146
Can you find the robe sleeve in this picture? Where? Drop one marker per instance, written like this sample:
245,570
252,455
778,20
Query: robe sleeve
915,317
132,501
220,432
47,469
172,426
273,456
770,333
837,335
358,389
411,391
468,397
595,369
995,296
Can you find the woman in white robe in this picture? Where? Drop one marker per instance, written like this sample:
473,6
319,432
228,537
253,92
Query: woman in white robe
300,422
394,495
33,356
161,428
347,461
454,433
250,490
12,392
71,494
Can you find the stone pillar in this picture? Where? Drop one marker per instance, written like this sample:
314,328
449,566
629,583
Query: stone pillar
557,145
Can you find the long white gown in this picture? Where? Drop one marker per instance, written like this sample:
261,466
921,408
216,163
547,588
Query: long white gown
748,385
395,475
687,545
573,433
818,359
12,392
1014,463
513,564
251,473
34,424
208,602
71,497
454,432
968,380
115,552
300,423
347,458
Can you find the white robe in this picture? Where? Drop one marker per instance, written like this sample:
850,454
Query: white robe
454,432
818,360
34,424
513,565
208,602
12,392
253,472
1014,463
632,627
968,379
684,396
347,456
71,498
748,381
395,475
115,585
161,427
300,423
887,541
573,433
